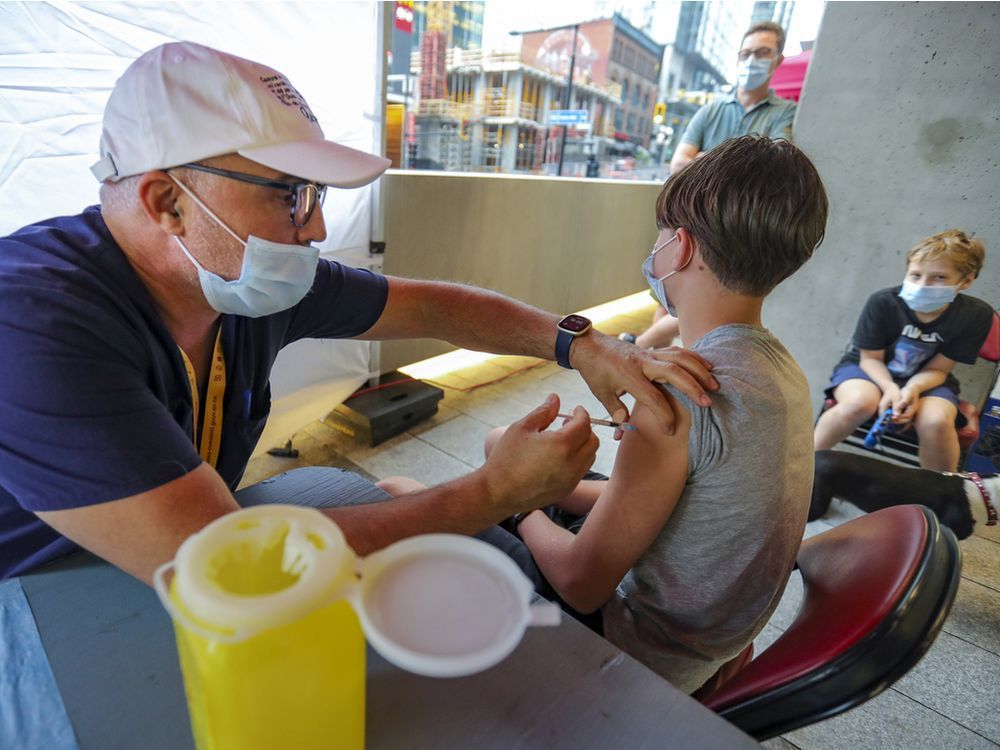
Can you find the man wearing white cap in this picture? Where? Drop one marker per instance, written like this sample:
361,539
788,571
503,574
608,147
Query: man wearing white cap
138,337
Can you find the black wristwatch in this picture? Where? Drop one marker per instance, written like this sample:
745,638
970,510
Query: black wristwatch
569,328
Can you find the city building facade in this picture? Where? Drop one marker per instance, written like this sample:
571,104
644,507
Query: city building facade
520,112
495,116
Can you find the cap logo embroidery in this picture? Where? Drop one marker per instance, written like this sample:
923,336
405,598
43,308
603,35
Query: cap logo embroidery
287,94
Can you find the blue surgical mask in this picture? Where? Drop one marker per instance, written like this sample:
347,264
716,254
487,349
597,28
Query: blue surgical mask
925,299
656,284
753,73
274,276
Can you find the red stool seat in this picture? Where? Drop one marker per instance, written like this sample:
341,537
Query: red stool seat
876,591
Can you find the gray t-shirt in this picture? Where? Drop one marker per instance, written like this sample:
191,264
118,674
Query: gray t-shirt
711,579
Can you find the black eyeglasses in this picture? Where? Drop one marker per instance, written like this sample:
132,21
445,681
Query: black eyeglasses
761,53
305,196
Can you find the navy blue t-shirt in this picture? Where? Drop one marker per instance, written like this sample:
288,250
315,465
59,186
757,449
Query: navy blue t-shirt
95,403
888,324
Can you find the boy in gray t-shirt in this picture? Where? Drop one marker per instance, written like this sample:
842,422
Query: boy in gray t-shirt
687,548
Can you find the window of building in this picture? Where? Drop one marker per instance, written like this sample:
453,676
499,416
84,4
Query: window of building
635,95
492,147
530,99
631,123
524,160
645,67
624,90
619,114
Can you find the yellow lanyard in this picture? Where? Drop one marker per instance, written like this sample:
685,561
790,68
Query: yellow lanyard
211,430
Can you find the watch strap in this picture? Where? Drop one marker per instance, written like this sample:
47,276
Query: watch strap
564,340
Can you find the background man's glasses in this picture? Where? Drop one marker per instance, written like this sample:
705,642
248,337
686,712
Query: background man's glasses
761,53
305,196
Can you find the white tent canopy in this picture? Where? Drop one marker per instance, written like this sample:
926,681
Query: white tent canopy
58,63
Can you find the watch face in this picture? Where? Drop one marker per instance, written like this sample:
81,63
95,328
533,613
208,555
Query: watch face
574,323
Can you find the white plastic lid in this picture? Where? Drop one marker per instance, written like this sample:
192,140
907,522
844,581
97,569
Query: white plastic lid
444,605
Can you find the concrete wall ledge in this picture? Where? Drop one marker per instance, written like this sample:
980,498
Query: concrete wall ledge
562,244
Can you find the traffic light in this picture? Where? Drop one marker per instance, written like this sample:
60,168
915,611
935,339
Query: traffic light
659,112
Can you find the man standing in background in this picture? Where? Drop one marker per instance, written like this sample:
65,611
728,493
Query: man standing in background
752,109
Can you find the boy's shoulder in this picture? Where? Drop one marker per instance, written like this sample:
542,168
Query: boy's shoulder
973,315
889,293
748,356
734,335
885,306
976,305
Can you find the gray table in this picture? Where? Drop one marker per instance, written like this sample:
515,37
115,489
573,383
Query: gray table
111,648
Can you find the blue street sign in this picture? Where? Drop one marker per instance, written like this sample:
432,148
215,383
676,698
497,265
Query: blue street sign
568,116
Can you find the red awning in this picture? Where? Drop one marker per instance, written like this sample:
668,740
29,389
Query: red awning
788,78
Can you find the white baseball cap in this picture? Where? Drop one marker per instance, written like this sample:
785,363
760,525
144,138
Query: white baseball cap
183,102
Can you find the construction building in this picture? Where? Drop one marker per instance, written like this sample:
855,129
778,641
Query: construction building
504,112
490,113
610,52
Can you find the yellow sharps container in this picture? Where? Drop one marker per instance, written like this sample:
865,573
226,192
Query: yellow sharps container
264,604
271,650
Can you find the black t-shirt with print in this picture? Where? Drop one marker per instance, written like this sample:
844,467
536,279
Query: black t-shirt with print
887,323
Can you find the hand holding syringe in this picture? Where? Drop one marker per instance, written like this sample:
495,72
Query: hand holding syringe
605,423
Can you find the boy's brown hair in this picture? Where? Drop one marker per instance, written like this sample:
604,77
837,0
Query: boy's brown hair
756,207
965,252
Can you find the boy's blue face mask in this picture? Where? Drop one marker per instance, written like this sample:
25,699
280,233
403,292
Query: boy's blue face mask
925,299
656,284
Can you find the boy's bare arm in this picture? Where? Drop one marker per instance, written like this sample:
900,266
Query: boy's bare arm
648,479
931,375
872,363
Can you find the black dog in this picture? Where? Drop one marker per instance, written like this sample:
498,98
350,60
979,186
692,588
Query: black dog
871,484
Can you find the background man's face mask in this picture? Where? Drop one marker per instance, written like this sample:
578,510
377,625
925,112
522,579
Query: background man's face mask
753,73
274,275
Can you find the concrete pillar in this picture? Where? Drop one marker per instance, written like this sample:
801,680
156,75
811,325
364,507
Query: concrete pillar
901,115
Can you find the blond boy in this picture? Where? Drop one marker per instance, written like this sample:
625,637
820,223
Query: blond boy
906,343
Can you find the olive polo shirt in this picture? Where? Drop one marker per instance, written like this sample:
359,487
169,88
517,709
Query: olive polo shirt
724,118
